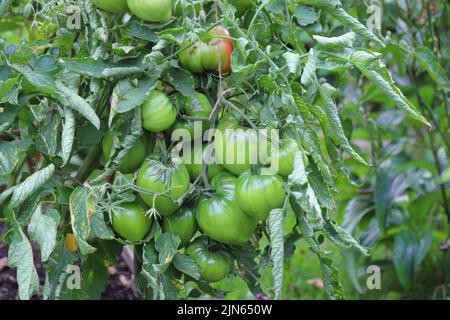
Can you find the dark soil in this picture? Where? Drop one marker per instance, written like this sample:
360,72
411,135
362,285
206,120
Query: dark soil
118,288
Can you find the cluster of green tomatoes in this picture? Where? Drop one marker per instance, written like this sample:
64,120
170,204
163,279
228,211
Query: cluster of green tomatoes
238,197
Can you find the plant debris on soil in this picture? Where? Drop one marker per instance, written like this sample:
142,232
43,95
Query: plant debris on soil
119,284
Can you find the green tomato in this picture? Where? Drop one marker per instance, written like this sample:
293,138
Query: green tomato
235,147
215,265
169,181
286,156
257,195
182,223
195,165
200,106
158,113
151,10
130,222
114,6
191,57
134,156
221,218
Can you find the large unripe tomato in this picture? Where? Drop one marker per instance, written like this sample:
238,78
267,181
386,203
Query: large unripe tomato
158,113
164,183
114,6
236,147
215,265
257,194
130,222
213,56
286,155
183,223
195,165
134,156
151,10
221,218
194,107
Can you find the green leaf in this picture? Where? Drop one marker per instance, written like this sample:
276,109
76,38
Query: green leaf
10,154
292,62
409,252
87,67
306,15
341,237
71,99
357,208
31,184
187,265
309,71
248,268
81,209
345,40
128,142
43,230
95,275
167,246
68,135
41,82
137,30
46,141
275,225
430,63
99,228
303,193
335,9
332,283
56,267
337,131
20,256
9,90
388,186
370,65
181,80
127,96
4,7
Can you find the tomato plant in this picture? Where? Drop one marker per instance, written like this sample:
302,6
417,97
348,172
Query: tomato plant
327,127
